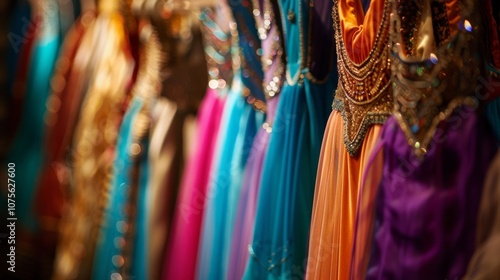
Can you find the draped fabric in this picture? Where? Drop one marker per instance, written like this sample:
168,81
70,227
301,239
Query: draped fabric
243,116
426,209
125,189
340,173
245,217
93,155
335,201
239,125
273,64
279,244
182,250
26,150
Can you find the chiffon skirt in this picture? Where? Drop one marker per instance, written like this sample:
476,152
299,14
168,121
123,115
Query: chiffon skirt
245,217
338,184
116,246
279,243
238,129
182,248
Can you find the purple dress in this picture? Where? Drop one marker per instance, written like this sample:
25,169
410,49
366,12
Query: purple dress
436,148
426,211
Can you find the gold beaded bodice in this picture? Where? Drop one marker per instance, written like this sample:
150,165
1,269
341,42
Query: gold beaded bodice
363,96
272,58
218,41
436,68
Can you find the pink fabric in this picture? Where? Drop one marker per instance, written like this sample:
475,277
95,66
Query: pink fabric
182,246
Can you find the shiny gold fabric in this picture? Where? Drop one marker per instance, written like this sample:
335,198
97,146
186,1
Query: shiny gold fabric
337,186
485,264
95,137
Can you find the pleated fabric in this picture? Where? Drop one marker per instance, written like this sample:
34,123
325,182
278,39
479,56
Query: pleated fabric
247,205
182,247
279,243
335,201
427,209
121,245
239,126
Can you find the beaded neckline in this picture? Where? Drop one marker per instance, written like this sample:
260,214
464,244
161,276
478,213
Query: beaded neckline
363,96
218,44
273,59
427,92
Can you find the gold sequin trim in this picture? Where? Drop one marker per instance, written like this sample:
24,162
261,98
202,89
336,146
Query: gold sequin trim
363,96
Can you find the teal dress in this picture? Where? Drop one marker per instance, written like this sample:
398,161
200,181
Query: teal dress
241,120
280,237
26,150
121,246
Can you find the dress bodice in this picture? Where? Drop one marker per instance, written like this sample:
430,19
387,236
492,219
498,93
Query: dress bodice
250,50
307,28
363,96
429,72
218,40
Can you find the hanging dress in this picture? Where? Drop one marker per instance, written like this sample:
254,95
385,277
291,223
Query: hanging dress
94,142
26,150
174,125
279,244
273,59
436,148
362,103
38,44
242,117
121,249
63,108
184,238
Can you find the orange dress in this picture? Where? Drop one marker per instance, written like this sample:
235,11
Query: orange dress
362,103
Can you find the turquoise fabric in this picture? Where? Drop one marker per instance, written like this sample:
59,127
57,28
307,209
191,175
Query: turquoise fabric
284,206
279,247
493,115
27,147
108,248
238,129
239,126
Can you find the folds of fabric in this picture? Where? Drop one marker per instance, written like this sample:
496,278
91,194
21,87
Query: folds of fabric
238,128
365,216
27,147
182,248
335,201
164,153
427,208
122,240
95,139
484,264
245,217
279,243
